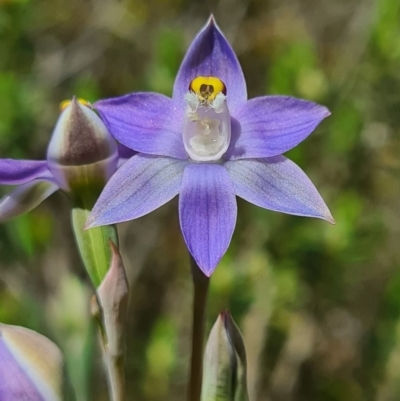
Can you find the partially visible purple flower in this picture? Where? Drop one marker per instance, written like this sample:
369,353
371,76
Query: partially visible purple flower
31,366
81,154
208,143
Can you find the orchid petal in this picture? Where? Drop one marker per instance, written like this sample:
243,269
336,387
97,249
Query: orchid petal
25,198
124,153
141,185
272,125
15,384
277,184
207,211
210,54
145,122
31,366
15,172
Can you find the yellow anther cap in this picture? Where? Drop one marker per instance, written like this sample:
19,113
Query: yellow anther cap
207,88
65,103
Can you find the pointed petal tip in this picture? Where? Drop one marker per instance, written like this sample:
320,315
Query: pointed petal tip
329,218
90,222
326,112
325,215
211,20
101,221
208,270
94,220
212,24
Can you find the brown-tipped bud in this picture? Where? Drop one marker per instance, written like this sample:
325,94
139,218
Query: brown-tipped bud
81,151
113,294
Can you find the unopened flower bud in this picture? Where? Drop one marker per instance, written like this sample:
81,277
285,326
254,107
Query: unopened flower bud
81,153
113,294
31,366
224,372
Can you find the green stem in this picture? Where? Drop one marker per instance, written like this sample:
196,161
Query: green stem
116,376
114,364
94,248
201,283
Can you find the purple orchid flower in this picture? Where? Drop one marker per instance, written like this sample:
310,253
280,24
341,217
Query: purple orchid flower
81,153
31,366
208,144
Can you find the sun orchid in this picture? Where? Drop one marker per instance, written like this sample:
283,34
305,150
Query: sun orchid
81,155
208,143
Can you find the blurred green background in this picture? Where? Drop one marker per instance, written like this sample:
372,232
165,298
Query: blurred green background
319,305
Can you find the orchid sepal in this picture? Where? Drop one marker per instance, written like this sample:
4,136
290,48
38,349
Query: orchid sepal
31,366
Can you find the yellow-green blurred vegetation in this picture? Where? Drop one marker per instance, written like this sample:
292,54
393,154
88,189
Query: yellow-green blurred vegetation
319,305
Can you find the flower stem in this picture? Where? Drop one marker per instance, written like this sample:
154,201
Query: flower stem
98,258
116,376
114,364
200,282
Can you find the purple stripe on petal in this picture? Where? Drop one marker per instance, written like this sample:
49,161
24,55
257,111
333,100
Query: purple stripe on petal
25,198
272,125
15,172
146,122
141,185
277,184
207,212
210,54
15,385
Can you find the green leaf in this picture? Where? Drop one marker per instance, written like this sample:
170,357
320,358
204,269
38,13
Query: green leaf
93,244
